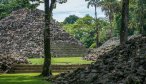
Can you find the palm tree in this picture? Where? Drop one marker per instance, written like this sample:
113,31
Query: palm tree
124,22
95,4
110,7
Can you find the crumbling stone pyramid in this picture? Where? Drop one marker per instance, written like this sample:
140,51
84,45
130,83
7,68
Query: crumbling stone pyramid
122,65
21,34
109,45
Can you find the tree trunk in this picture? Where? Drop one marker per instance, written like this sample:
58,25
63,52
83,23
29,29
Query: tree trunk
97,30
124,22
110,20
144,18
47,60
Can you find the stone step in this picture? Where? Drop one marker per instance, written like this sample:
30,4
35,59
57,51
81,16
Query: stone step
28,68
59,49
66,46
71,65
38,71
38,68
60,68
25,65
69,53
53,68
41,67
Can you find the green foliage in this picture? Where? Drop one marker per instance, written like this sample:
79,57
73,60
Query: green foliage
110,7
7,6
84,30
104,33
117,25
71,19
93,45
93,3
134,26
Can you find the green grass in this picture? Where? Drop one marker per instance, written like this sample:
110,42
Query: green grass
25,78
62,60
32,78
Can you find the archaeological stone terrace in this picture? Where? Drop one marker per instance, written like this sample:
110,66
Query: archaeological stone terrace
21,34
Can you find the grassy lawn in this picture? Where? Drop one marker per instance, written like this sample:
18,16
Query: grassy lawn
25,78
62,60
31,78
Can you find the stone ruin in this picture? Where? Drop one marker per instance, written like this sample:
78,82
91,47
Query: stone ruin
108,46
21,34
7,61
122,65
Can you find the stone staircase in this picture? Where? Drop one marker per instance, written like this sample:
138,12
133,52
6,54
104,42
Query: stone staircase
38,68
65,49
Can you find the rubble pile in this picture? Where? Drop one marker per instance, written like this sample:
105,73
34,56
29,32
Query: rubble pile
109,45
94,53
21,33
7,61
122,65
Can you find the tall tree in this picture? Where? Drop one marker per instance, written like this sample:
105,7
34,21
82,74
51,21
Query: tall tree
124,22
110,7
144,16
141,18
49,5
95,4
71,19
47,61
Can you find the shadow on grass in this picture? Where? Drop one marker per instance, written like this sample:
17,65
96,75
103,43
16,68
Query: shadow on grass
22,79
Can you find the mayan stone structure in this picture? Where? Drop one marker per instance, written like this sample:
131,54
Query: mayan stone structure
122,65
21,34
